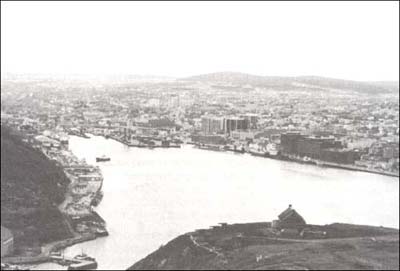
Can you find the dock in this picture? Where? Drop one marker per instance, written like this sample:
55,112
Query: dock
73,263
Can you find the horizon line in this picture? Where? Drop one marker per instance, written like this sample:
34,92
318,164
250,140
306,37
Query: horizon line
88,74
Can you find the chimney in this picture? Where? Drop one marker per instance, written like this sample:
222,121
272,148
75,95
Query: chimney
290,206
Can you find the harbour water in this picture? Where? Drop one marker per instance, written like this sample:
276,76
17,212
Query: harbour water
152,196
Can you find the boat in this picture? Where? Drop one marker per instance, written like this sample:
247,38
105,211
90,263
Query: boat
103,159
101,232
238,150
210,147
272,150
83,262
84,257
257,152
97,198
319,163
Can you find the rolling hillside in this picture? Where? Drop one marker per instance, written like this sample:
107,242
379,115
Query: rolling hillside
250,247
293,83
31,188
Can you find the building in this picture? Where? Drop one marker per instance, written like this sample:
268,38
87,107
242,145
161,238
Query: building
7,242
310,146
209,139
340,156
313,146
212,125
289,142
243,135
391,150
289,219
252,120
235,123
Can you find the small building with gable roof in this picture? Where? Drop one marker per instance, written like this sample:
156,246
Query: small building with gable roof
289,219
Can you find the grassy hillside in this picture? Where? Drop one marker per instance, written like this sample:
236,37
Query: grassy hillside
246,246
31,188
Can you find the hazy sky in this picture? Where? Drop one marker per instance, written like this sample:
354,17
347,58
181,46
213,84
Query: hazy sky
351,40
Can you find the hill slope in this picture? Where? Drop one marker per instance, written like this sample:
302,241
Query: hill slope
31,188
250,247
292,83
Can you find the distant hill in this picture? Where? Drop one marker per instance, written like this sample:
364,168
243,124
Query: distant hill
91,78
293,83
31,188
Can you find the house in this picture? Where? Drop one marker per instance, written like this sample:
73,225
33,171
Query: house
289,219
7,242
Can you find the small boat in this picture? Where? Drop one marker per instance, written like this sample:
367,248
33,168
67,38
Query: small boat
258,153
319,163
103,159
101,232
210,147
84,257
306,159
83,262
272,149
96,200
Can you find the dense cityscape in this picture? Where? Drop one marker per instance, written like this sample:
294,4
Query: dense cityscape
311,123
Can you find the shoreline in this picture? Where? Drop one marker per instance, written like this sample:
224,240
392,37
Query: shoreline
74,170
335,165
45,256
301,161
274,157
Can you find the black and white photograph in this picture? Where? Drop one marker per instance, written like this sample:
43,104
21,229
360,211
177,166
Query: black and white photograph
200,135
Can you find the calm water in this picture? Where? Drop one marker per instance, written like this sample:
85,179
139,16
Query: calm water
152,196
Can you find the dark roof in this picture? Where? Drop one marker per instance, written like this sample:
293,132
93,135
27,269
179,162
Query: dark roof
288,213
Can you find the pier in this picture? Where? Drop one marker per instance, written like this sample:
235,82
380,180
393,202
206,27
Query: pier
75,263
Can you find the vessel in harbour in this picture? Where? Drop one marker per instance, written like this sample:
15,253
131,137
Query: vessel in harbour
83,262
103,159
272,150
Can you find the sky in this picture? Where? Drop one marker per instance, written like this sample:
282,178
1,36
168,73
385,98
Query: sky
349,40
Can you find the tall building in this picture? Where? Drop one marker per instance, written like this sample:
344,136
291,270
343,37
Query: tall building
211,125
235,123
252,120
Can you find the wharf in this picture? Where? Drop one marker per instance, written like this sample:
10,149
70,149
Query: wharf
299,160
73,263
143,145
356,168
44,256
83,135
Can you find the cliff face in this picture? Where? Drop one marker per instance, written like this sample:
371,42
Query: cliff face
31,188
246,247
